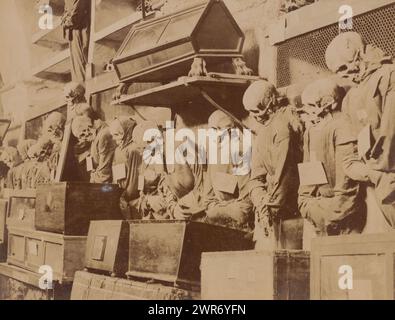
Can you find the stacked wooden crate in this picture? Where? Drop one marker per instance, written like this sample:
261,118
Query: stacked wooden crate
51,228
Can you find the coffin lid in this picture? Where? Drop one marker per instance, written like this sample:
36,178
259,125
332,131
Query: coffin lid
189,24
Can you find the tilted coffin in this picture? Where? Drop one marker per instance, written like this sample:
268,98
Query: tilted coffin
107,248
31,249
68,207
170,251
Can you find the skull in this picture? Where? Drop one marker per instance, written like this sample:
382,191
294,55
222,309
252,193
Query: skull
117,132
74,92
9,156
54,126
221,122
41,150
344,56
259,100
320,98
83,129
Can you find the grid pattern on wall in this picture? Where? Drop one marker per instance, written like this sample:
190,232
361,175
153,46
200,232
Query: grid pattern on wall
302,58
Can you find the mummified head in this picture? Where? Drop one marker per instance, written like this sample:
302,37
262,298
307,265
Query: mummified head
344,56
10,156
74,93
83,129
260,100
121,129
41,150
321,97
221,121
54,126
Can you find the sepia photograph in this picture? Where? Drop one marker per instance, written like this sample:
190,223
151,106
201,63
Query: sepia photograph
204,151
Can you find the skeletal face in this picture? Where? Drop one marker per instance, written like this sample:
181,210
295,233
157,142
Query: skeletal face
73,92
352,70
55,132
7,159
262,111
86,134
117,132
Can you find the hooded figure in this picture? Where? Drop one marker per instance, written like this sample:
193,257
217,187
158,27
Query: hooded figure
370,108
152,167
226,192
23,149
53,129
126,165
276,152
181,188
334,203
101,147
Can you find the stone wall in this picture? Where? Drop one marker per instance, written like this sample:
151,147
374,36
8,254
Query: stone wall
21,91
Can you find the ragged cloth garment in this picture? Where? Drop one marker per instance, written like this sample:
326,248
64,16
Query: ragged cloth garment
274,177
129,156
23,148
39,169
180,191
372,103
338,206
102,152
152,168
76,29
14,161
224,207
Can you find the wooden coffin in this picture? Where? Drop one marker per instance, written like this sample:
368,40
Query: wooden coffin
3,230
366,260
31,249
163,49
89,286
107,247
22,209
68,207
170,251
256,275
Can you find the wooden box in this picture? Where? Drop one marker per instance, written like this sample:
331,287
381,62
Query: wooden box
170,251
68,207
89,286
30,249
368,260
163,49
255,275
107,247
3,230
22,209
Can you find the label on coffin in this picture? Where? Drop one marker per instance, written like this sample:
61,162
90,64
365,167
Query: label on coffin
89,164
225,182
99,247
312,173
119,172
32,248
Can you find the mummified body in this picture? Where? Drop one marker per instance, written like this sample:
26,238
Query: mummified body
276,153
370,108
101,147
126,165
227,198
334,204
